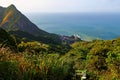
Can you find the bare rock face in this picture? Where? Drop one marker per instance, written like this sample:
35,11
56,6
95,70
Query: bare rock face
70,39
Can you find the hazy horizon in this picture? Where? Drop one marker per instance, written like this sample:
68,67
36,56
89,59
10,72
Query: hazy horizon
64,6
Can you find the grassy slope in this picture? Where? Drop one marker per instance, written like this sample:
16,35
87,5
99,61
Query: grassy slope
101,59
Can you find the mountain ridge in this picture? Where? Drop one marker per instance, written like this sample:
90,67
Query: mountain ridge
12,19
18,21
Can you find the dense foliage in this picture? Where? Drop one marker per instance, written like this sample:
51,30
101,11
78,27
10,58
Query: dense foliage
101,58
26,66
38,61
7,40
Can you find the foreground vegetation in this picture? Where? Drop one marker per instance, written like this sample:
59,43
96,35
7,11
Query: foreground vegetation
101,58
25,66
21,60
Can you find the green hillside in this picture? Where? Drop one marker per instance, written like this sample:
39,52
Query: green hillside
14,21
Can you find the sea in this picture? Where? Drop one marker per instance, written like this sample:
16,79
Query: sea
88,26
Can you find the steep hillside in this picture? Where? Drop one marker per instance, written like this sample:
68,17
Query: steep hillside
13,20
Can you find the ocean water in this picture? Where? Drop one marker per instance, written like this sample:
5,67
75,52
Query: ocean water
87,25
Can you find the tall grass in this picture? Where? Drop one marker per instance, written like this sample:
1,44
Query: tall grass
49,66
35,67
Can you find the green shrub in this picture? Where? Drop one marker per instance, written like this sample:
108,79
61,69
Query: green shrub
9,71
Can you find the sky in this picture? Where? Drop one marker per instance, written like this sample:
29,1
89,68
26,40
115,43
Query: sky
64,5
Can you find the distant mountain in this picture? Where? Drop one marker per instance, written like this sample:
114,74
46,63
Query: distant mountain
14,21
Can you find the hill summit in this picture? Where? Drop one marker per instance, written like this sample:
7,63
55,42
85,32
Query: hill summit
14,21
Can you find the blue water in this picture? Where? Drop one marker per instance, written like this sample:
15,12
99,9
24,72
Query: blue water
87,25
